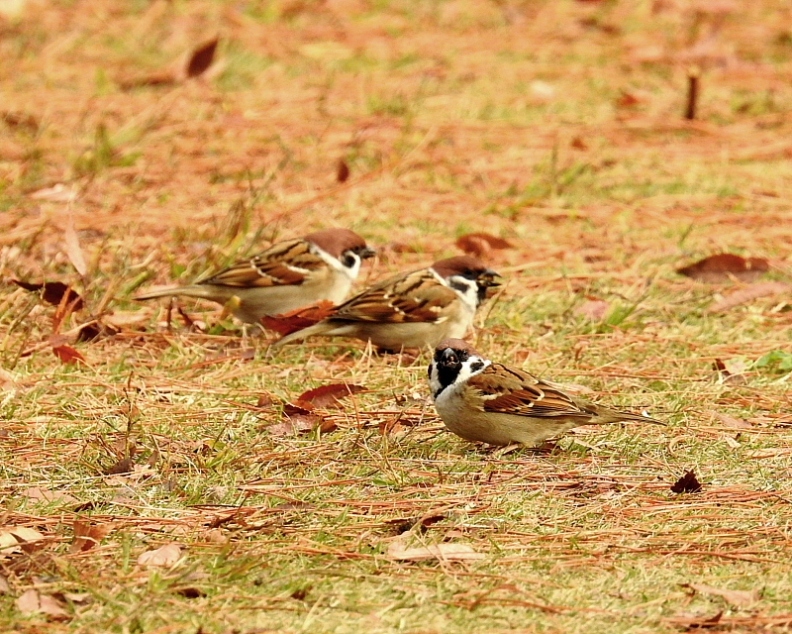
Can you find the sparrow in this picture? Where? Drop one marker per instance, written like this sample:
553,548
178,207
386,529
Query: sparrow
411,310
488,402
286,276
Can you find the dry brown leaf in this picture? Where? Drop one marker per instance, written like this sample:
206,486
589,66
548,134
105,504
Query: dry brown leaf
38,494
593,309
71,245
748,294
480,244
342,171
201,58
723,267
695,621
162,557
736,598
731,421
88,535
20,538
54,293
688,483
446,551
64,351
298,319
329,395
32,602
5,588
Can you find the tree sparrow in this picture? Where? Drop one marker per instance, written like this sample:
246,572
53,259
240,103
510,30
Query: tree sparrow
287,276
488,402
413,309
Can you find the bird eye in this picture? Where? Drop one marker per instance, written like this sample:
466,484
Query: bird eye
349,259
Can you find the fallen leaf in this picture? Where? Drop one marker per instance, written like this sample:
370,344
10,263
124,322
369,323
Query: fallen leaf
593,309
202,58
736,598
579,144
54,293
329,395
38,494
88,535
73,251
342,172
190,592
58,193
397,551
732,422
688,483
724,267
731,367
20,120
65,352
162,557
748,294
695,621
5,588
480,244
628,100
298,319
32,602
19,538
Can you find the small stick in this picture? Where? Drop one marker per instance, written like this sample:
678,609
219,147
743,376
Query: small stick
693,93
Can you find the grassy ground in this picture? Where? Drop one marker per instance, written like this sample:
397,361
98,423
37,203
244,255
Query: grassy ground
554,124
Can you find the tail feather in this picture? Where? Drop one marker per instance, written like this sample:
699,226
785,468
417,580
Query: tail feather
322,328
617,416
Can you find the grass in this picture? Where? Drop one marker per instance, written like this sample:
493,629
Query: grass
453,117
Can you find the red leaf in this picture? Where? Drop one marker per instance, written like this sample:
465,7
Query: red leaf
202,58
480,244
329,395
54,293
723,267
67,354
298,319
342,173
688,483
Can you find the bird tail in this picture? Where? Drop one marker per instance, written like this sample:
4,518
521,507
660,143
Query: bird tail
321,328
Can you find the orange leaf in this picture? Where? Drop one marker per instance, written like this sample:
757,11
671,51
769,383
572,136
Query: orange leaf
342,173
480,244
87,535
723,267
202,58
65,352
298,319
327,395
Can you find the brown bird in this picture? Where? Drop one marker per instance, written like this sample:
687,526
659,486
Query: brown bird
488,402
413,309
289,275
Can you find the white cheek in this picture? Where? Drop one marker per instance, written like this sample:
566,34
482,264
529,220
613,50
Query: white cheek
350,272
466,289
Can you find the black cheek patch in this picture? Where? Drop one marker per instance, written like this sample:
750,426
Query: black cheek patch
476,366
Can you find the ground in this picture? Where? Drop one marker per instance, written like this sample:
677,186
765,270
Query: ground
150,479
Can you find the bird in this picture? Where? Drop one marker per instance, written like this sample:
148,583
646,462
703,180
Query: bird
488,402
411,310
288,275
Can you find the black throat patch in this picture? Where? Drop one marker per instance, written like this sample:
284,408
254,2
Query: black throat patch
448,363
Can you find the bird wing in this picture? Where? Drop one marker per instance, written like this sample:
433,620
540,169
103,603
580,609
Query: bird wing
416,297
509,391
284,264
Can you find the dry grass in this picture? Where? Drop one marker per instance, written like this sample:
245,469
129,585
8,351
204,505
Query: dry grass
554,124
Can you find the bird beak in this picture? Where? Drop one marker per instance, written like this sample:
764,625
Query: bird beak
448,356
489,278
366,253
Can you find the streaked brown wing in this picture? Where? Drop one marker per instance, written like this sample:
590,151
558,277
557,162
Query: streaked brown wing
416,297
514,392
285,263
